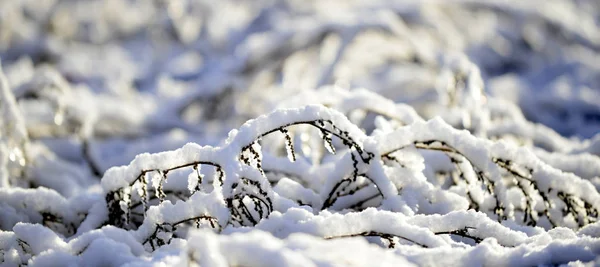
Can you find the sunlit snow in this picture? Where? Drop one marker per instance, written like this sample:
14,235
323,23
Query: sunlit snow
299,133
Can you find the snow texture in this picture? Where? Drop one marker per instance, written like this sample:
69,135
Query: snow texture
299,133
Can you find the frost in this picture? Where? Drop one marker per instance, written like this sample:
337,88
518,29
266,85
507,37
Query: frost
328,143
289,146
194,180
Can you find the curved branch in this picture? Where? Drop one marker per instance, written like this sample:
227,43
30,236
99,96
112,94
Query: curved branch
386,236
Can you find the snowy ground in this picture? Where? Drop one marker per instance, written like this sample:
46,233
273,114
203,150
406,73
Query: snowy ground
299,133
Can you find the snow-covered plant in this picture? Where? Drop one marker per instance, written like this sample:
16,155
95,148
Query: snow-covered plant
265,133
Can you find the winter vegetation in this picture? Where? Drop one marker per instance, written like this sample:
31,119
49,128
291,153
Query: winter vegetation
299,133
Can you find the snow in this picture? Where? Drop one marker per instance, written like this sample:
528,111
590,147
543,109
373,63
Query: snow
299,133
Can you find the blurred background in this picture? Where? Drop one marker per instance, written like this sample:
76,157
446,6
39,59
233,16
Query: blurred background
111,79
